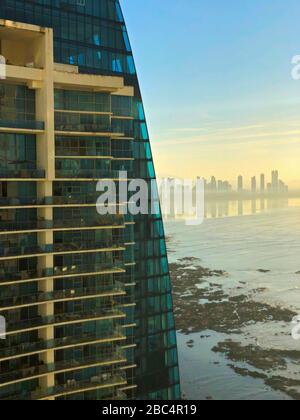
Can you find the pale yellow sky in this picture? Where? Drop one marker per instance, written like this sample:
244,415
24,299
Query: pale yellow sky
227,152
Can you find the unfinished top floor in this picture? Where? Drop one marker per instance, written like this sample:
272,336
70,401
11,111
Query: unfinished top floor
28,54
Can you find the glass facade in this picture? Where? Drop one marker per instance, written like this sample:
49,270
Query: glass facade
92,35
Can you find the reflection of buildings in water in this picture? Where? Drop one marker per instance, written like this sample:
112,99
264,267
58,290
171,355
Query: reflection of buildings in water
226,209
214,209
253,207
223,209
277,204
217,209
240,208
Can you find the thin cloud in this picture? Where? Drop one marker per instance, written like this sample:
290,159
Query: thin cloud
221,137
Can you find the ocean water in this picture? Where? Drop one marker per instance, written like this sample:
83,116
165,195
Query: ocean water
242,238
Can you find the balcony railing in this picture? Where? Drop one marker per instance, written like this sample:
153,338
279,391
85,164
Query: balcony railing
87,268
10,251
77,199
49,201
87,128
20,201
86,173
118,396
26,374
26,124
81,151
107,220
75,387
60,295
87,245
123,126
22,173
61,319
55,200
122,111
18,251
13,276
119,154
73,199
39,346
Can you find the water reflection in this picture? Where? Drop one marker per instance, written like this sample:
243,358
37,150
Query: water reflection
216,209
231,208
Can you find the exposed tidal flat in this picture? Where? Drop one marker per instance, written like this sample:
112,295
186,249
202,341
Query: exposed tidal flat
236,290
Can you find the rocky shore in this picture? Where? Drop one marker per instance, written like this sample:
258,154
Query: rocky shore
202,303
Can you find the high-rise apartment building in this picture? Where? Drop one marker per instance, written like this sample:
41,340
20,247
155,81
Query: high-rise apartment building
262,183
253,185
240,184
213,184
275,181
86,298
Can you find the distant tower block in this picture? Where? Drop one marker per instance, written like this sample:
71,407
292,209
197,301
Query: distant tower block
275,181
240,184
262,183
253,185
269,187
213,184
220,186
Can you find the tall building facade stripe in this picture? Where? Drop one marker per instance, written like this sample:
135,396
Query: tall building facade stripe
75,287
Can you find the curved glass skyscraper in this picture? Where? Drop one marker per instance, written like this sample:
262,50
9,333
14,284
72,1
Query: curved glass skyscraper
86,298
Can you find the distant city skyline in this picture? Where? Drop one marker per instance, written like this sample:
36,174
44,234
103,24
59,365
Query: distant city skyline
255,184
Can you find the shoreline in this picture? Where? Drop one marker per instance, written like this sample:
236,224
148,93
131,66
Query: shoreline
202,304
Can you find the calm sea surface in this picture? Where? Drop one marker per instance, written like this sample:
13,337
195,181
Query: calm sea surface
241,238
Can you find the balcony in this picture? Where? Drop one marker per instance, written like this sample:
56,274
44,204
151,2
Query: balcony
82,152
27,125
101,221
124,126
122,154
67,318
34,372
26,225
86,174
88,268
73,199
21,251
60,296
20,201
75,387
82,122
22,174
80,199
123,111
40,346
118,396
14,276
14,302
93,129
87,246
11,251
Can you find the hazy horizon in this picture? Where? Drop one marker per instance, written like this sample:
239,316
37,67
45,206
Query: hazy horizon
217,84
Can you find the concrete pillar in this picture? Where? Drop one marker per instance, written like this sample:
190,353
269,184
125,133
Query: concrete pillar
46,160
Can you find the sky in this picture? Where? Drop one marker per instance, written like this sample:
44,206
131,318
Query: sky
217,86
